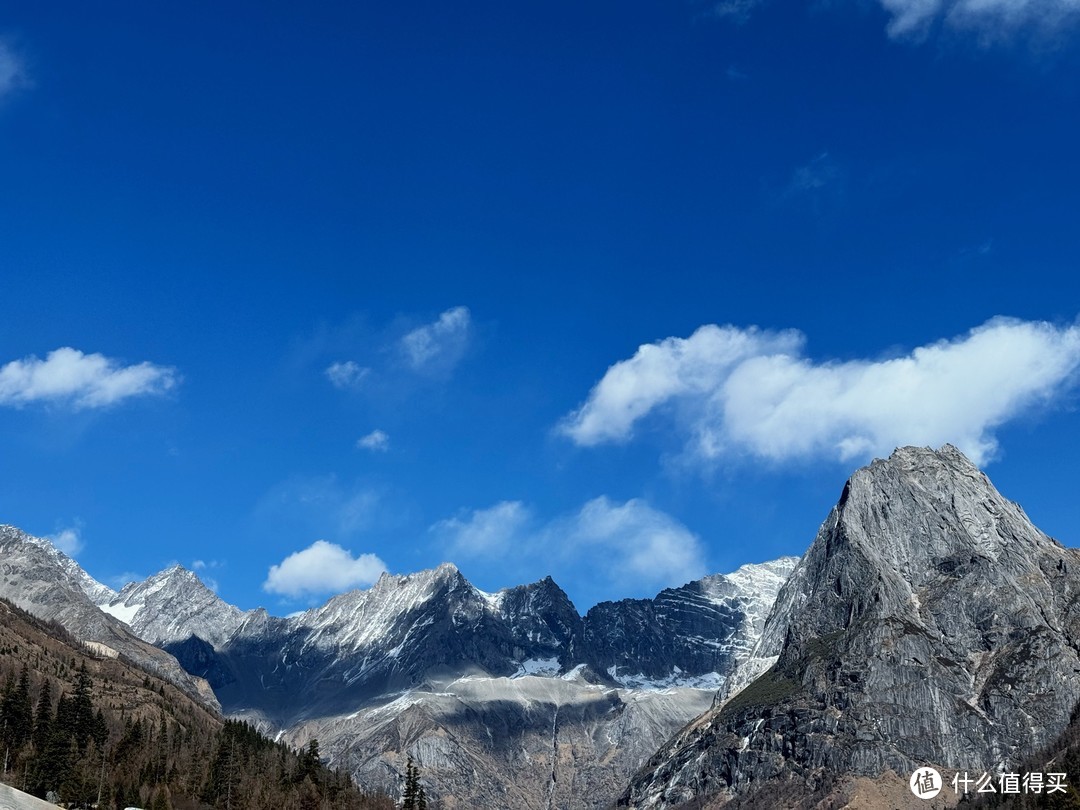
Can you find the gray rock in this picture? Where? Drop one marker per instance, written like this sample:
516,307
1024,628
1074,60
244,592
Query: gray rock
930,623
44,581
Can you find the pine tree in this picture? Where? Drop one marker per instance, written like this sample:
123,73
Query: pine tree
17,714
413,797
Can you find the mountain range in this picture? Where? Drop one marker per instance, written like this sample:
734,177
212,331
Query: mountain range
567,705
929,624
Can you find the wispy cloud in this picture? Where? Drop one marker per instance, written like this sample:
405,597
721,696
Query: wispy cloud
346,374
118,581
640,544
820,172
68,540
614,548
439,346
730,390
12,71
989,19
322,568
484,531
913,20
735,10
377,441
320,505
68,376
203,569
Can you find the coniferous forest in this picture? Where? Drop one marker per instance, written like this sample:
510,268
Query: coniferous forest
88,730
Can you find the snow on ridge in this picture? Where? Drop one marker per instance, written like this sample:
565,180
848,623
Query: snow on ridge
492,600
677,679
123,612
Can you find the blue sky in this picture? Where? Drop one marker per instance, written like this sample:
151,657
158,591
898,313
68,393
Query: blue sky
616,292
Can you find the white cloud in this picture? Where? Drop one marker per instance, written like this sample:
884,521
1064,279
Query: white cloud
347,374
751,391
439,346
991,19
68,540
485,531
661,372
322,568
377,441
12,70
68,376
615,548
633,543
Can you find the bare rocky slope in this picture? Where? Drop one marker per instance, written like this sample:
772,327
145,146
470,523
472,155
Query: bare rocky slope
930,623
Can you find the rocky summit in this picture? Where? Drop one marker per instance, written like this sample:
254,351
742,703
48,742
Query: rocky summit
929,623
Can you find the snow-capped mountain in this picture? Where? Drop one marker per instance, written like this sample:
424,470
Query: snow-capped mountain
517,682
172,606
44,581
421,629
930,623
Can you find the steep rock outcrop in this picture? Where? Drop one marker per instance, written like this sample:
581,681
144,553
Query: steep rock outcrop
929,623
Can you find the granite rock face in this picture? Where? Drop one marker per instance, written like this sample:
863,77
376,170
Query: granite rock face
930,623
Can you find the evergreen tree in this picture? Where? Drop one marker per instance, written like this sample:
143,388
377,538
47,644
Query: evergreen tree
413,797
309,762
17,722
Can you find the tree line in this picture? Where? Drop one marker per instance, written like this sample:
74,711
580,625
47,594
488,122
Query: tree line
84,732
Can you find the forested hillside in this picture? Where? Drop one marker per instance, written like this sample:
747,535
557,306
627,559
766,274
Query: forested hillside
82,727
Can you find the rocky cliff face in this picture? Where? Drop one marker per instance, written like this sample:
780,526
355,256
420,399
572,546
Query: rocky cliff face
929,623
421,630
697,633
45,582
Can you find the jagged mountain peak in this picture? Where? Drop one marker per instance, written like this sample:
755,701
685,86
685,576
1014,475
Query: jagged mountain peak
43,580
94,590
173,605
175,576
922,504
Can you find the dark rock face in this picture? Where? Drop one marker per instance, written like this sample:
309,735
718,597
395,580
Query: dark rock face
405,632
652,635
542,617
929,623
